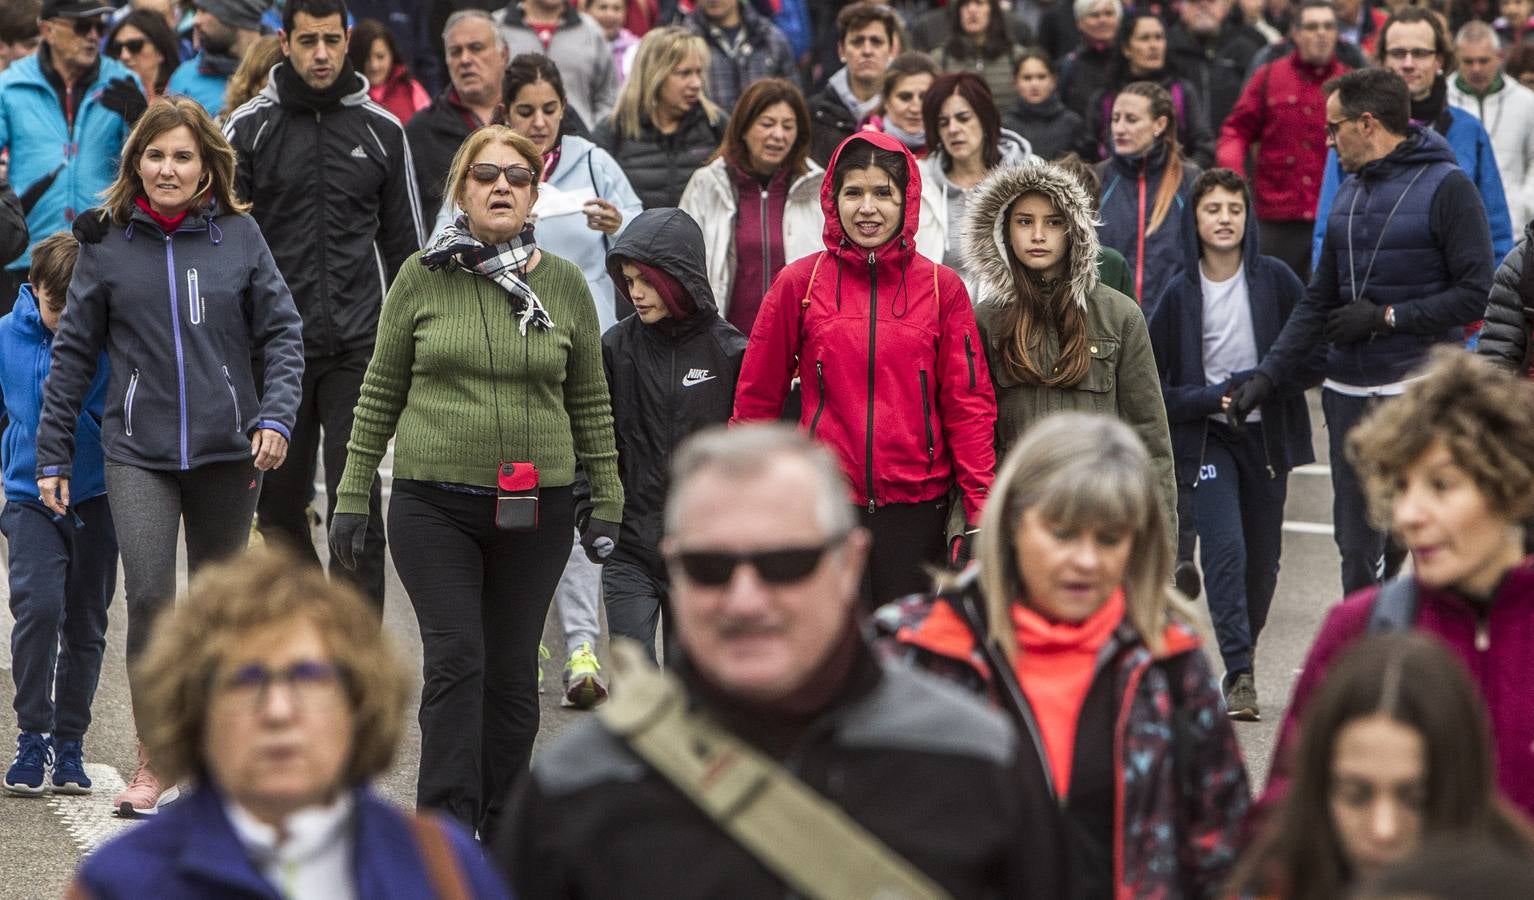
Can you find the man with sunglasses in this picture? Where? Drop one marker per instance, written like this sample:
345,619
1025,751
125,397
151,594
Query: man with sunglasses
1407,264
766,561
63,137
332,182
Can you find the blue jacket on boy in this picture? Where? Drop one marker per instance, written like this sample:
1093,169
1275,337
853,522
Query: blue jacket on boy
26,354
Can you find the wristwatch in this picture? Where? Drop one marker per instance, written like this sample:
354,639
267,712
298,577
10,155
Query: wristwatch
1390,317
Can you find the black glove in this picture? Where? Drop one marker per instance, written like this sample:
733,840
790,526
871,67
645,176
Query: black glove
599,538
92,225
348,534
1251,394
1354,322
123,96
37,189
583,510
962,548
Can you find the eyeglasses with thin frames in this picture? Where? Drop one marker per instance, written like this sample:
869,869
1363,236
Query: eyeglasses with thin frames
1420,54
309,681
1331,127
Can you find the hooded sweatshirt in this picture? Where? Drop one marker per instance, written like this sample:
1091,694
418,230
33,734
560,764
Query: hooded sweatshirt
884,341
668,379
1121,378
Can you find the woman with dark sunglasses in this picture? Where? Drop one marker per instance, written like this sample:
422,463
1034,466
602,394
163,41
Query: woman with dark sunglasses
1106,674
487,374
145,44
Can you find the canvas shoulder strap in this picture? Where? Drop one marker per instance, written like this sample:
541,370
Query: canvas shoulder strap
442,867
806,840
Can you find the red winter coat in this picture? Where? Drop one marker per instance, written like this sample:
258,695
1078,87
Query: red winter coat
1283,109
891,363
1496,645
400,94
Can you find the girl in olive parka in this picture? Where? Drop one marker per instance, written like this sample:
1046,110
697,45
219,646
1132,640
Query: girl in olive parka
1055,337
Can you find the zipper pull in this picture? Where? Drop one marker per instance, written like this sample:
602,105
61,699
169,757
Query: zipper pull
1482,633
870,506
871,259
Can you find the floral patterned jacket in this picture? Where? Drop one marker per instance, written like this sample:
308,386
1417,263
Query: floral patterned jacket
1181,789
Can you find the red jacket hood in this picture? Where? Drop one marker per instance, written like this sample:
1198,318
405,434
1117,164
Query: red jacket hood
836,238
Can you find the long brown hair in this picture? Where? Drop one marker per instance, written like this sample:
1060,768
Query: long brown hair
756,100
163,115
1171,177
1030,319
1410,679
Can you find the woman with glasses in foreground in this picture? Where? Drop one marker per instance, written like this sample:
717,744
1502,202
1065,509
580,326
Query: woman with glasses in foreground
487,374
274,689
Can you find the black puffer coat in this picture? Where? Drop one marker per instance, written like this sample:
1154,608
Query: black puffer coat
658,165
668,379
1510,311
1050,129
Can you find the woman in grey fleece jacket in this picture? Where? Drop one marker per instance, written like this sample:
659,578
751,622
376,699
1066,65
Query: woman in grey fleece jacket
175,281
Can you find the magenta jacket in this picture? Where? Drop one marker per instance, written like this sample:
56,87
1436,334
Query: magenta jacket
1495,643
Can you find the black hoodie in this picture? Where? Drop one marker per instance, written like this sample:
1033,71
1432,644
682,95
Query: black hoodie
668,379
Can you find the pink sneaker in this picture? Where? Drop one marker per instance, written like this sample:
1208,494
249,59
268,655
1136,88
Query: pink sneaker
142,795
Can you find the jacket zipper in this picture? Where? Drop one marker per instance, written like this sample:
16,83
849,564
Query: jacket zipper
766,246
873,320
175,323
328,314
1140,240
820,403
926,419
969,357
1482,630
228,380
194,305
128,404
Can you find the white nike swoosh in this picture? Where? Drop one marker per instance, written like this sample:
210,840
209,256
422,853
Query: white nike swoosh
689,381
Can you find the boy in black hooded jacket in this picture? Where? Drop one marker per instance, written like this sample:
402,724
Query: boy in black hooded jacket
671,368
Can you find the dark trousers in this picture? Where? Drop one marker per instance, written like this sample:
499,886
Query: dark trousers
636,591
1239,507
907,537
331,385
1368,556
481,596
1289,241
215,501
63,573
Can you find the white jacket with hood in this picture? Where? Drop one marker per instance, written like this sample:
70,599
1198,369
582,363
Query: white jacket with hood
1508,116
938,239
710,199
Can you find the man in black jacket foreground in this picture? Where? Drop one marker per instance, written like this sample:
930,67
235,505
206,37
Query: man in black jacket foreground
333,186
766,565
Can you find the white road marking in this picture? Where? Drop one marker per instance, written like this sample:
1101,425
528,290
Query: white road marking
88,818
1308,528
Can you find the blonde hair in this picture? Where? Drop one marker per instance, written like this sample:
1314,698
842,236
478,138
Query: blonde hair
227,603
166,114
660,51
481,138
1079,470
248,80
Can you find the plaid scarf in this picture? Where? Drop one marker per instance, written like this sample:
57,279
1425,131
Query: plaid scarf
505,264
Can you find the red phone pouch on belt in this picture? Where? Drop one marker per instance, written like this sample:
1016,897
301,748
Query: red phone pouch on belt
516,496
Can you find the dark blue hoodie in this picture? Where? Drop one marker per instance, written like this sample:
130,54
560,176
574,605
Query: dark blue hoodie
1176,326
26,354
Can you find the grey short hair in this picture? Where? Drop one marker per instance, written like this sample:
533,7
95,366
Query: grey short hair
1084,8
1476,32
745,451
464,15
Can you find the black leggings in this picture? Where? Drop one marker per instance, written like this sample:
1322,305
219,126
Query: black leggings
481,597
907,537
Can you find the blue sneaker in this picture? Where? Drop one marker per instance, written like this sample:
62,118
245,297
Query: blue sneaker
29,772
69,769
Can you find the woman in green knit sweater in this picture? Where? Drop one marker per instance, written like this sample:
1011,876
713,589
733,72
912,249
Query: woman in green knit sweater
488,354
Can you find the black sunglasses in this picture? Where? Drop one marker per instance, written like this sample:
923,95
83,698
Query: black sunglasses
134,46
785,565
89,26
487,173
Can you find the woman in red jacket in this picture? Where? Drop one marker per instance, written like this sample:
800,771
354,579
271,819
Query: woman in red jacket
893,372
375,54
1450,466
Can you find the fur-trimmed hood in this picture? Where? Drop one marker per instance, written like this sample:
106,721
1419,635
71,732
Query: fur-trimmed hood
986,247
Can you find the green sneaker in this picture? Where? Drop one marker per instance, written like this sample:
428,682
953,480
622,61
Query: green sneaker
583,685
543,656
1241,699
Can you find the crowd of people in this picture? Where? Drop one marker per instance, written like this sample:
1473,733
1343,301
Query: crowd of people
736,320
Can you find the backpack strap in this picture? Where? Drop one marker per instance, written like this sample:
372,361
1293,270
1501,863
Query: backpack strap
443,870
811,843
1395,606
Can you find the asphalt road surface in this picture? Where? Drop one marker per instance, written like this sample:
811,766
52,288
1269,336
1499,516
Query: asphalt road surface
45,838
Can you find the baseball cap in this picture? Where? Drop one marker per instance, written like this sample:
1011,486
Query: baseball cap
73,9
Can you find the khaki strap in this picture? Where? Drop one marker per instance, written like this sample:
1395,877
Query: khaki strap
442,867
806,840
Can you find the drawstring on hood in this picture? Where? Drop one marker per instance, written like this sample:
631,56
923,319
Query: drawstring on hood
987,247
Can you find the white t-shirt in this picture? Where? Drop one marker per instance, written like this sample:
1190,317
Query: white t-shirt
1229,344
